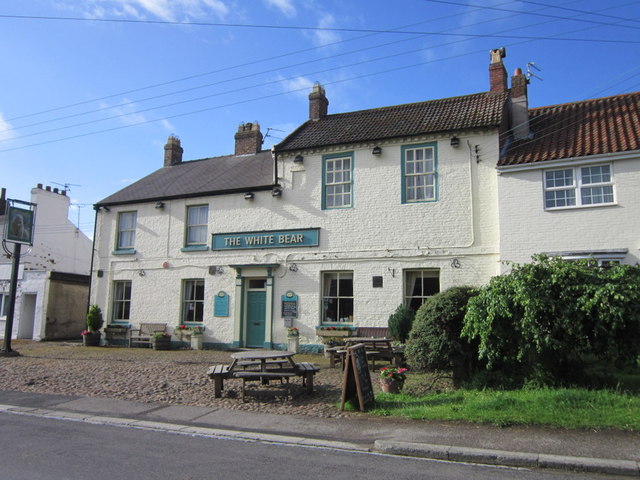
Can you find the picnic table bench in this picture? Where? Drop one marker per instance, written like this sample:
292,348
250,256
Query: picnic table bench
266,370
143,334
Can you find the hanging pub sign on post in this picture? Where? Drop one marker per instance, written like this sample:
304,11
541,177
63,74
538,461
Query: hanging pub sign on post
356,380
20,223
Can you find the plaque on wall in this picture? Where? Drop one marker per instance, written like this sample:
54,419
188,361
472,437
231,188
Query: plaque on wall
290,305
221,305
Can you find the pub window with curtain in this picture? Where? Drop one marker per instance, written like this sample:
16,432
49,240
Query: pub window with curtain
420,285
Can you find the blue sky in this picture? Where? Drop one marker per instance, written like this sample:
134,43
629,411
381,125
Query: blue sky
93,88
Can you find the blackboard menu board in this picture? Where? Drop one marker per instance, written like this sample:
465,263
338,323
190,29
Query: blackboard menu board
356,380
290,305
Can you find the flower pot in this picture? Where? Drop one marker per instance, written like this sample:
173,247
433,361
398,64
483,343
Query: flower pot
294,344
163,343
91,339
391,386
333,333
197,342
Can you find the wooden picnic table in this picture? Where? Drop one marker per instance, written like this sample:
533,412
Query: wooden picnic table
378,349
272,365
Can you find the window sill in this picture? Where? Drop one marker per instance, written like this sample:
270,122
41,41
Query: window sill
580,207
195,248
124,251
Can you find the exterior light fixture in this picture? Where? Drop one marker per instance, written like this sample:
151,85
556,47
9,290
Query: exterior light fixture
249,196
376,150
299,159
276,192
160,205
455,142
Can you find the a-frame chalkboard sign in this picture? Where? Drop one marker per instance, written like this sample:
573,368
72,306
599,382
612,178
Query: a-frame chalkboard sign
356,380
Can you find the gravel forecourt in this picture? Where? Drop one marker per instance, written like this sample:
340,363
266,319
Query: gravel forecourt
149,376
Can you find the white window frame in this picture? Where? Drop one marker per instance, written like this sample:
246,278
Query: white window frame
4,305
126,236
342,318
120,298
409,286
578,186
200,225
417,178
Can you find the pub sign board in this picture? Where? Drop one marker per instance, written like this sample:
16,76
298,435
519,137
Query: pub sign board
356,379
20,223
289,305
266,239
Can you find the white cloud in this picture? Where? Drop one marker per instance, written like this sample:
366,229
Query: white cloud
325,37
285,6
300,85
6,130
169,10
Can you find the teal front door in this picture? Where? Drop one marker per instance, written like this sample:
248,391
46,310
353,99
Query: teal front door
256,318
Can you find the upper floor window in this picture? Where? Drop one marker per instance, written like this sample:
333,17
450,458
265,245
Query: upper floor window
126,230
337,297
578,187
419,173
337,181
197,224
121,301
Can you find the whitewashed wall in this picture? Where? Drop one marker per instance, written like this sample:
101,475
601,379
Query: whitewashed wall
379,236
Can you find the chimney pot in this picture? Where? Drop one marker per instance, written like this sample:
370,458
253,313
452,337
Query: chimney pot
248,139
497,72
39,186
318,103
172,151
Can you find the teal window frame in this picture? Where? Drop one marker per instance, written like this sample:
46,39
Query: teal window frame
188,245
406,175
331,158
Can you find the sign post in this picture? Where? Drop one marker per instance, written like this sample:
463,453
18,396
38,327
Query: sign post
18,230
356,380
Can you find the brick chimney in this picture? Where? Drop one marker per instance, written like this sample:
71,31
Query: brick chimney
172,152
497,72
248,139
3,201
318,103
519,106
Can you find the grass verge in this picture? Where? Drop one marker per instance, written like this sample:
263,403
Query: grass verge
565,408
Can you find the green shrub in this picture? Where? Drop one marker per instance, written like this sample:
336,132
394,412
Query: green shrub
435,343
400,323
94,319
539,324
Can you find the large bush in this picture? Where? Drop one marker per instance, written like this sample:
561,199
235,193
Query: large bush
543,320
400,323
435,343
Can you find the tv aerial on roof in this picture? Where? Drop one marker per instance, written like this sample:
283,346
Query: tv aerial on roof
531,74
67,186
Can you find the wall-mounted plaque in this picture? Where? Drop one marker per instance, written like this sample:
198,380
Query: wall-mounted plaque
221,305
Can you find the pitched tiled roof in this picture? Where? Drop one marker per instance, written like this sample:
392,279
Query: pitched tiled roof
447,114
211,176
591,127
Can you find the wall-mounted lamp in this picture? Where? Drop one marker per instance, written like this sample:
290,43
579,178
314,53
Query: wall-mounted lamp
216,270
299,159
276,192
160,205
376,150
455,141
249,196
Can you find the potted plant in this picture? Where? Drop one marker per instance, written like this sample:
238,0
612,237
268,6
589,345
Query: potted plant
293,338
392,379
333,331
197,337
161,341
93,322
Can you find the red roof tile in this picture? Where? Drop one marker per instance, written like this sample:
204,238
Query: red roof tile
591,127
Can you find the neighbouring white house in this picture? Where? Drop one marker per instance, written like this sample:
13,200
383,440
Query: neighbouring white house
349,216
53,282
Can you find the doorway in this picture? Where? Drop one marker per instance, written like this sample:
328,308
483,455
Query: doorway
27,316
256,311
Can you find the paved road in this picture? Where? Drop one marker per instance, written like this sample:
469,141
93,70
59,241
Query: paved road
36,448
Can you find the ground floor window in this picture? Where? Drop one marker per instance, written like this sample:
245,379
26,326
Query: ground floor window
121,301
420,285
4,305
337,297
192,301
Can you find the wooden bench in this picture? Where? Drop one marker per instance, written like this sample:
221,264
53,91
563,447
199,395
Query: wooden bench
218,373
248,376
143,334
277,363
307,371
373,332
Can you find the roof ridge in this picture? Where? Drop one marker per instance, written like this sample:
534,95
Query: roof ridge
586,101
